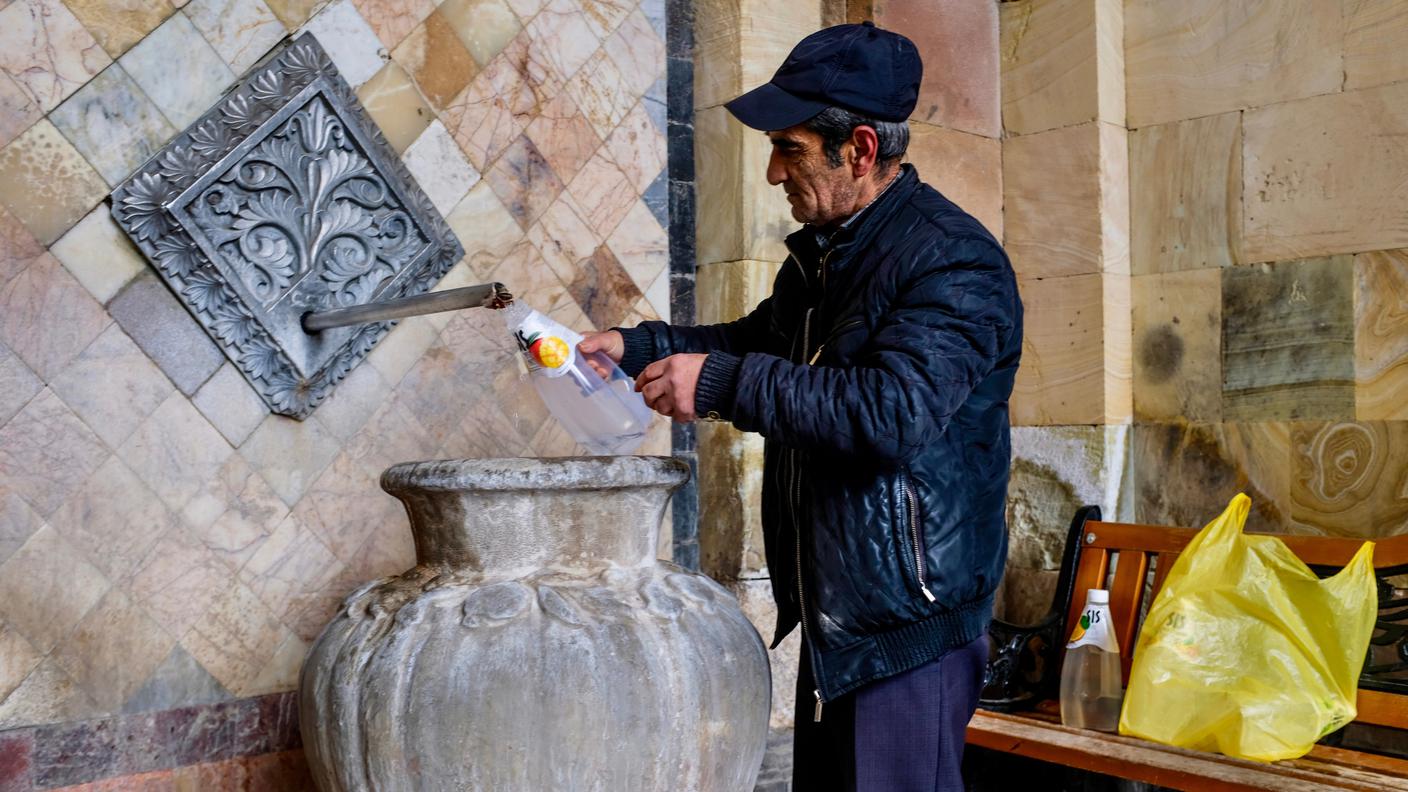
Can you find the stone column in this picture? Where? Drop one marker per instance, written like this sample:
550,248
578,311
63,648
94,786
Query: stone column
1065,168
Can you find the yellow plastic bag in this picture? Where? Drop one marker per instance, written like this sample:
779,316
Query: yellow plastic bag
1245,652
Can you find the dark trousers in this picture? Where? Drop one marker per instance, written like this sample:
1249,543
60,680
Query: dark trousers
899,734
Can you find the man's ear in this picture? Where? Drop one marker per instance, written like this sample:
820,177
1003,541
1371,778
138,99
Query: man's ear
865,147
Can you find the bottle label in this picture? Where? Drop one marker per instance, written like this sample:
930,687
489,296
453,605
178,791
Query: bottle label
1093,628
551,349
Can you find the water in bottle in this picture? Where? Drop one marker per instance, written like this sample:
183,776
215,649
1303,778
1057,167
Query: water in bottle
605,416
1090,676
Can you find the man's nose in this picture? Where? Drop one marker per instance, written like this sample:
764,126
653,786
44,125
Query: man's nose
776,173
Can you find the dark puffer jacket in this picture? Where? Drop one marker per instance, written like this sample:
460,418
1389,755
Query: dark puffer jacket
878,373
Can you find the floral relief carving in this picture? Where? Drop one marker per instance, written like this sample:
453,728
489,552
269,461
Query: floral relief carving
282,199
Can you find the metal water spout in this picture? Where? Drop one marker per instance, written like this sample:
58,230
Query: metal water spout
485,295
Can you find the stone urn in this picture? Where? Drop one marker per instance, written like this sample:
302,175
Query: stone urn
537,644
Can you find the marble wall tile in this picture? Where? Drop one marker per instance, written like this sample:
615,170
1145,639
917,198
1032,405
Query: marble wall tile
1205,57
119,25
345,505
438,388
18,657
178,682
965,168
1288,340
18,384
349,41
293,13
1178,346
175,451
47,588
604,289
113,124
564,136
17,109
46,453
398,351
177,46
46,51
292,564
484,26
165,331
18,247
393,20
601,92
47,318
113,519
1186,208
657,296
289,454
231,406
637,51
641,246
637,148
179,579
18,522
565,34
356,399
958,42
112,386
487,118
398,109
281,672
113,650
99,255
1186,474
603,16
564,237
235,638
241,31
1381,335
1349,479
485,228
524,182
1057,69
440,168
1313,184
46,183
603,193
434,55
235,512
48,695
526,9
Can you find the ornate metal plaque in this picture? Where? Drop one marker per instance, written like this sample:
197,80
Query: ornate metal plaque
285,199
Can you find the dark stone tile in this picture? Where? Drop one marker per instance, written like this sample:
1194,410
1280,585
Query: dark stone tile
16,761
179,680
75,753
680,152
161,326
681,298
679,39
277,723
205,733
604,289
657,199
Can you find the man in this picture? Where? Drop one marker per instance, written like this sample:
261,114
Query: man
878,372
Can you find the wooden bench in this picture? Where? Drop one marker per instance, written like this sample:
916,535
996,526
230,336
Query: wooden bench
1019,714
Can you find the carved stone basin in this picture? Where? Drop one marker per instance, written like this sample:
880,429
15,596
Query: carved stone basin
537,644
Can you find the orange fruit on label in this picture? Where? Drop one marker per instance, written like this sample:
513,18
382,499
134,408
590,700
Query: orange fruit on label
551,351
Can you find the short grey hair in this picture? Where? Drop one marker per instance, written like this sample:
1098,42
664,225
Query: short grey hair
836,124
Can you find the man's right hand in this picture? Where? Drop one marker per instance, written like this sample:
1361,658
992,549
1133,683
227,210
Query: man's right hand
609,343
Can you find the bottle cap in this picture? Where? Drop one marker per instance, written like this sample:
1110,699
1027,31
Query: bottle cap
1097,597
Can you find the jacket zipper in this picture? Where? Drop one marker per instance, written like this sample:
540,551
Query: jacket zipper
919,570
797,500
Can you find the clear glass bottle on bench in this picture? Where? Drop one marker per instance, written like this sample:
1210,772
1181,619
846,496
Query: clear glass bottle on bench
1090,675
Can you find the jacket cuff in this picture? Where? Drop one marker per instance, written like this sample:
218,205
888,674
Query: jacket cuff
638,347
718,382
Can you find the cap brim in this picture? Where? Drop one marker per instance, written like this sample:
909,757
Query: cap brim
770,108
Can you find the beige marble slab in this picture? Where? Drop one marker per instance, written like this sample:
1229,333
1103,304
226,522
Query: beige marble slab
18,657
434,55
1381,335
1178,346
740,216
46,183
601,92
18,384
1348,478
46,51
563,32
47,587
637,148
490,114
18,110
235,512
241,31
47,318
18,522
113,519
643,248
290,454
637,51
393,20
485,228
1186,205
349,41
293,13
18,247
440,168
177,46
113,651
118,24
345,506
235,638
1323,175
178,581
48,695
175,451
603,192
484,26
99,255
230,404
394,103
113,124
1202,57
965,168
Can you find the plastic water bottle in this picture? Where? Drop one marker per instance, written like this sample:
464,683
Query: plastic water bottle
605,416
1090,678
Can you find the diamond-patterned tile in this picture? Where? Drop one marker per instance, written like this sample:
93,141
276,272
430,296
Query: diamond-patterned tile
293,13
485,26
541,76
17,658
113,124
117,26
637,51
524,182
564,137
603,192
564,237
99,255
489,115
436,386
349,41
178,682
235,512
290,454
529,276
355,400
434,55
231,406
525,9
47,695
637,148
603,16
113,520
112,386
175,451
600,91
656,105
17,109
47,587
235,638
281,672
400,349
113,650
563,33
346,505
178,48
46,453
18,247
46,51
603,289
397,107
18,522
439,167
157,322
393,20
290,566
241,31
485,228
641,246
46,183
47,318
17,384
178,580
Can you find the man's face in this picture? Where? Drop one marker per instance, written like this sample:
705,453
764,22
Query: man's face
820,193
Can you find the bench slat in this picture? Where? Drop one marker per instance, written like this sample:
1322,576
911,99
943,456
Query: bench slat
1094,566
1126,593
1313,550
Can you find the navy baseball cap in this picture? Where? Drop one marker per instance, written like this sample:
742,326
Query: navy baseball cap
871,72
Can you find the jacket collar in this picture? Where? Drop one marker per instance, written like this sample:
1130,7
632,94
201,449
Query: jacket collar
808,245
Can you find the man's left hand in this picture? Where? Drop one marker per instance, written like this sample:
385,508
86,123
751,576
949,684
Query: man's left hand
668,385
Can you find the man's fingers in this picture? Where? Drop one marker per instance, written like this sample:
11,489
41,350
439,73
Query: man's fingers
651,373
